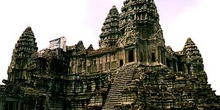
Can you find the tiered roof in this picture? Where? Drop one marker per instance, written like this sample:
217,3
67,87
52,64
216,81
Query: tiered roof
110,31
26,45
25,48
192,52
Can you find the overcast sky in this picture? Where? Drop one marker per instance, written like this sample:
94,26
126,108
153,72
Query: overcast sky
82,20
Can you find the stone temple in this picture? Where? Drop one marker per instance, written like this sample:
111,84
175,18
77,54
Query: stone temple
133,69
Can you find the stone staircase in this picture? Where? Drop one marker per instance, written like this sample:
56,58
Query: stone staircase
122,79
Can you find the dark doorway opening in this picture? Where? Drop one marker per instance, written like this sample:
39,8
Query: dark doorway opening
121,62
168,62
9,106
180,66
131,55
153,58
188,68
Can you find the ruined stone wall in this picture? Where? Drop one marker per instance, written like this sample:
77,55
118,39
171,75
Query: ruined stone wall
102,62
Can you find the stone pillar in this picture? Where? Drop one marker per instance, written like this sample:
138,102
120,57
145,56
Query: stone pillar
135,55
2,105
159,55
18,106
147,54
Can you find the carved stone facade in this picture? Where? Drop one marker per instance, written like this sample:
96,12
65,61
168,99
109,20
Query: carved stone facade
132,70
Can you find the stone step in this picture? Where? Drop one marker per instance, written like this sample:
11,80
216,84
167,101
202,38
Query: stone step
122,79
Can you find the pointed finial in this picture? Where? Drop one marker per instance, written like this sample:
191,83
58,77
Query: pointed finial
113,6
113,11
189,41
28,31
90,48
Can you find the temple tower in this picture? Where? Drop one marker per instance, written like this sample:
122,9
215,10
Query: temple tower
110,29
143,13
24,50
194,61
141,32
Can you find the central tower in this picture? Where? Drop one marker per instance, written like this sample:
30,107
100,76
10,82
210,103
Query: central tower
141,33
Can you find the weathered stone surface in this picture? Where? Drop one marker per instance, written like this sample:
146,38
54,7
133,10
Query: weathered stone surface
132,70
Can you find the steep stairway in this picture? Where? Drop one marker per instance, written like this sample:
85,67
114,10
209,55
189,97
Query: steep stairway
122,79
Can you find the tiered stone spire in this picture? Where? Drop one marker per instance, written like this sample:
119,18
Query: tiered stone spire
24,49
192,52
144,14
110,29
194,61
